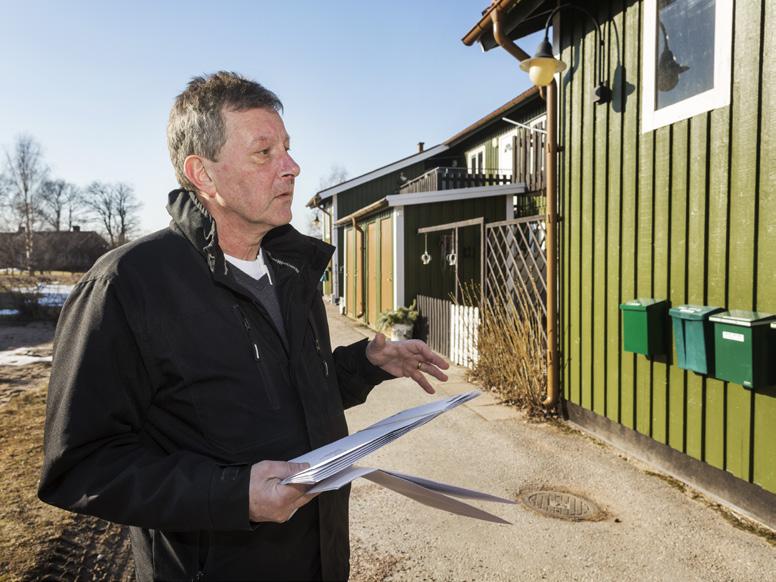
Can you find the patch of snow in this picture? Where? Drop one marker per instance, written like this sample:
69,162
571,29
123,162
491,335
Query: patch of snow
11,312
20,357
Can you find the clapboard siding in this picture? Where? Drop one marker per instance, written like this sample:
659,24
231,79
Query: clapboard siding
686,213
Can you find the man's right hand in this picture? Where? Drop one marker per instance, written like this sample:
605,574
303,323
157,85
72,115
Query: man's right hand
268,500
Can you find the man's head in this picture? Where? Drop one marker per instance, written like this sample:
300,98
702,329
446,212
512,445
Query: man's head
228,143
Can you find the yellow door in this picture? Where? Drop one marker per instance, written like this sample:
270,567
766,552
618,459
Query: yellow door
372,281
386,264
350,274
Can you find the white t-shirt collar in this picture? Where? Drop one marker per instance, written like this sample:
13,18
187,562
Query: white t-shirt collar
256,268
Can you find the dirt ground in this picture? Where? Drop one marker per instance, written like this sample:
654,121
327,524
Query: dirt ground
37,541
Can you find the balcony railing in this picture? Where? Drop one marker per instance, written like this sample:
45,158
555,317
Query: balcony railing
527,149
450,178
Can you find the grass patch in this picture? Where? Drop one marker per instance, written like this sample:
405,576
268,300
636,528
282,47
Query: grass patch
22,516
512,357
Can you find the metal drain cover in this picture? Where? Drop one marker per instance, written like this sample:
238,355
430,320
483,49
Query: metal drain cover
562,505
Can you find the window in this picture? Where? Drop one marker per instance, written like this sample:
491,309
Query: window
686,59
476,160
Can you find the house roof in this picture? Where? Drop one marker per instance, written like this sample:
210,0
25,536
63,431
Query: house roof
434,197
491,117
374,174
54,236
519,18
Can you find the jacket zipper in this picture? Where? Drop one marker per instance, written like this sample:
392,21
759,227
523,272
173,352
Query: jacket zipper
320,353
269,390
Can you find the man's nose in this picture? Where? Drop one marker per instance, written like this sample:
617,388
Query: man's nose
290,167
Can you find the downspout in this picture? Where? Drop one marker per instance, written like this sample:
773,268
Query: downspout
362,277
551,218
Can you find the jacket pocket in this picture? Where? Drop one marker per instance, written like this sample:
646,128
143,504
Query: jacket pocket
253,343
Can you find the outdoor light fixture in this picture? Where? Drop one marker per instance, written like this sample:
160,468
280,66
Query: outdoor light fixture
541,68
425,257
316,221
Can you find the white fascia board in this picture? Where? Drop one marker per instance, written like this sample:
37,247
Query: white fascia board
380,172
455,194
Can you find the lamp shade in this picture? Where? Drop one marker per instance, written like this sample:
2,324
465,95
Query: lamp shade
543,65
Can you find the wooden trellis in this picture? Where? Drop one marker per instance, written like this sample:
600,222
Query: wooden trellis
516,267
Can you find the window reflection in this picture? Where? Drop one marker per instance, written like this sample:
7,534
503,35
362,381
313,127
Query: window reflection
684,60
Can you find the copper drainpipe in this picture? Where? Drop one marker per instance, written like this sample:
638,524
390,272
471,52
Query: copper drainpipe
550,170
361,276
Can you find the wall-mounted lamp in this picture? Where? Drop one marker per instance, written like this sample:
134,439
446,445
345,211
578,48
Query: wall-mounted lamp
317,221
541,68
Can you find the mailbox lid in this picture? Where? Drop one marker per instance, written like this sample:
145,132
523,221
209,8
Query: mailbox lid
743,318
694,312
642,304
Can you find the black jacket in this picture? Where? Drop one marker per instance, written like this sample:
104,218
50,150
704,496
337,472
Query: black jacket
169,381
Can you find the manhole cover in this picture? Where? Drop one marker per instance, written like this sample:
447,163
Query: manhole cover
562,505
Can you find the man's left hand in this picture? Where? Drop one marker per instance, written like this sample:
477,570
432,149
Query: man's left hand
407,359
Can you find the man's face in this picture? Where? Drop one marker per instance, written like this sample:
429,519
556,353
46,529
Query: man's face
254,175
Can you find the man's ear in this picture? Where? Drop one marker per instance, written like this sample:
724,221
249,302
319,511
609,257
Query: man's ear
194,169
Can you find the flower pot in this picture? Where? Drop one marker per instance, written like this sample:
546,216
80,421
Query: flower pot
401,331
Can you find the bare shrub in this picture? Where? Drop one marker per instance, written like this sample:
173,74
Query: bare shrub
512,350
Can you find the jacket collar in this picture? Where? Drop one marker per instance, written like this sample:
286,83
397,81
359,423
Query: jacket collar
291,252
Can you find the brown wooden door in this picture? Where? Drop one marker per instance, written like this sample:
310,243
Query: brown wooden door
372,256
386,264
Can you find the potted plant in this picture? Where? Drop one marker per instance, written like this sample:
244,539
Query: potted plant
400,321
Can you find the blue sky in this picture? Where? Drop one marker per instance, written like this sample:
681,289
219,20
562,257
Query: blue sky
362,82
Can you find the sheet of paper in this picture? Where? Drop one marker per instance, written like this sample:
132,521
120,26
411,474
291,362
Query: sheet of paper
450,489
330,459
430,497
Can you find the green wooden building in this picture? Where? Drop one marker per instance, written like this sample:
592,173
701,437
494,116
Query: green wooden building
668,191
484,171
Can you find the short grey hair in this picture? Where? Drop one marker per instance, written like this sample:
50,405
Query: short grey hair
196,125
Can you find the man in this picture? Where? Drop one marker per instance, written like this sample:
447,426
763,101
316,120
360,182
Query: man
191,363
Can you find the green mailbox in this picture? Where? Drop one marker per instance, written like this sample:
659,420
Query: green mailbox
694,337
744,348
644,326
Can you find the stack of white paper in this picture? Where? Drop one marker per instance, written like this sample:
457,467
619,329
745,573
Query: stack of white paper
343,453
332,466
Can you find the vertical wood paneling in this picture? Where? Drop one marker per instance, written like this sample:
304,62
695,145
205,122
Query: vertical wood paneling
599,241
586,81
696,272
764,454
717,188
660,238
743,182
631,35
614,32
680,164
645,264
575,175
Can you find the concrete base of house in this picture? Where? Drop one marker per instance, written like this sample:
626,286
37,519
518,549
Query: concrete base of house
739,495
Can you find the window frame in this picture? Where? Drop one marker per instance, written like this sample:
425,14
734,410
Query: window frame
714,98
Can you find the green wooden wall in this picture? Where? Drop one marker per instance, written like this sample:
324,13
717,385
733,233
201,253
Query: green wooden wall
686,213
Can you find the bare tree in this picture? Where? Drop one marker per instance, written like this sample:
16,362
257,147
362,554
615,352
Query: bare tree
115,207
127,207
25,171
60,201
337,174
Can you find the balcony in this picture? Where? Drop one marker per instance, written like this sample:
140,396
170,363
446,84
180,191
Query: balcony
527,150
